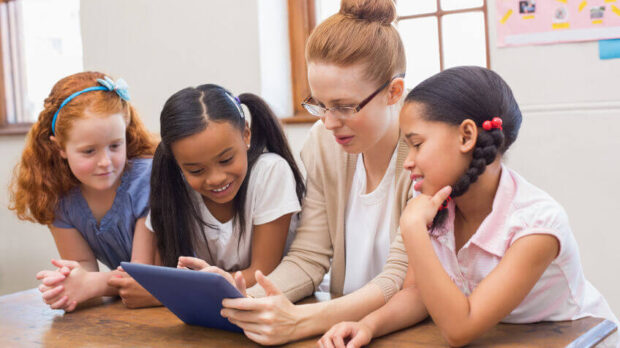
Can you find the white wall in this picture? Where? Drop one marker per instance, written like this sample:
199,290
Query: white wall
25,248
568,144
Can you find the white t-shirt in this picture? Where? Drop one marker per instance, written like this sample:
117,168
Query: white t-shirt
271,194
367,226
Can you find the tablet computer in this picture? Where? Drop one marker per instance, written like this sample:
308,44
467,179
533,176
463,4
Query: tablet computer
194,297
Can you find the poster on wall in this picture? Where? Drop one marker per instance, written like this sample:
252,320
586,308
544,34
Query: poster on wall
533,22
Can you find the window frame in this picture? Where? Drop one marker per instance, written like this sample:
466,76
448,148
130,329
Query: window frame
11,73
439,14
302,20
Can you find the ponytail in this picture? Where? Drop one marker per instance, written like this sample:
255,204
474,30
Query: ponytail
175,215
268,134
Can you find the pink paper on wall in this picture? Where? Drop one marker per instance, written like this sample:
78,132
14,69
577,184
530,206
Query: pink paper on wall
533,22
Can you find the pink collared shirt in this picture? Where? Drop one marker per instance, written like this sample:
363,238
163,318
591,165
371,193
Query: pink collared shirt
521,209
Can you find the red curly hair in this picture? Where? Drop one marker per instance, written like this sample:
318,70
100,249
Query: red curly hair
43,176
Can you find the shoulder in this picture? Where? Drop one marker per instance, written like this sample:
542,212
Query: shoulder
68,202
138,175
137,184
269,164
532,209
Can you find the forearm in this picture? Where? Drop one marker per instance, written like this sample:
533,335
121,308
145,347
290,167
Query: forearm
319,317
248,275
98,284
89,265
403,310
291,279
445,302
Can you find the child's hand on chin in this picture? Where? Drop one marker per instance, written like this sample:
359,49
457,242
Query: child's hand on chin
66,287
197,264
422,209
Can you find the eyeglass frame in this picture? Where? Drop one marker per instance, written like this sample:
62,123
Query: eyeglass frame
355,109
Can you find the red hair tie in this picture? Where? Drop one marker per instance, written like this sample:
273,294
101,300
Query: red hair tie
495,123
444,205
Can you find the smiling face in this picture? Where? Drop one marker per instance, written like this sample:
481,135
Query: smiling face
334,85
439,153
214,161
96,151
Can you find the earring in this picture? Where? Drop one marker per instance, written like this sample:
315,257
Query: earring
248,146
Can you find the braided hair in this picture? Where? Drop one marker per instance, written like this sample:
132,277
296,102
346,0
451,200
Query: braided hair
479,94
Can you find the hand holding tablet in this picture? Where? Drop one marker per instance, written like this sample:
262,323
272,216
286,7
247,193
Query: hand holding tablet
194,297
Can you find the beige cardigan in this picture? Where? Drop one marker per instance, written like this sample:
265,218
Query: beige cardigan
321,231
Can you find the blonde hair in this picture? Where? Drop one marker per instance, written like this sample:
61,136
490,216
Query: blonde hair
360,33
43,176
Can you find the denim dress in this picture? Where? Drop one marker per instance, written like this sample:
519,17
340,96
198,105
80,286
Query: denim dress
110,240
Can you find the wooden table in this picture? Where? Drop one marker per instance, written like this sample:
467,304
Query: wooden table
26,321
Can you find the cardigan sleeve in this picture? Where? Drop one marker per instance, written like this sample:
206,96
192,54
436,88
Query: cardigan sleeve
391,279
308,259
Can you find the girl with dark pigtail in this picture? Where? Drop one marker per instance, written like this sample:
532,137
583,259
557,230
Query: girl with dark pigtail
224,186
484,245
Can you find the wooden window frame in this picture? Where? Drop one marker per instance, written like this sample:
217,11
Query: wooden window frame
439,15
301,22
11,75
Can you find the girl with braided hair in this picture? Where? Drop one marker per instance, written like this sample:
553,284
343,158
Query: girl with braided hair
484,245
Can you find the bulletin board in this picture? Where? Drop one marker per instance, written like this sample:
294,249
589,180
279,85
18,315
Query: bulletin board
533,22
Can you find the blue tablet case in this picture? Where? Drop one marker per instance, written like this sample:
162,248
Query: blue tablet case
193,296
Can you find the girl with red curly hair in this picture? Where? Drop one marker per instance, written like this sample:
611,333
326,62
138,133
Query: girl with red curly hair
85,173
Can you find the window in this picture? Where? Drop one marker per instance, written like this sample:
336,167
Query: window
455,32
40,43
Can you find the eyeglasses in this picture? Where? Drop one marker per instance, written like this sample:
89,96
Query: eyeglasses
343,112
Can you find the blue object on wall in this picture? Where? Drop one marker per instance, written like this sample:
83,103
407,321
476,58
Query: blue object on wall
609,49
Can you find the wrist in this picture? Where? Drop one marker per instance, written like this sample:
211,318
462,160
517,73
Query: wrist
98,284
412,226
369,323
309,321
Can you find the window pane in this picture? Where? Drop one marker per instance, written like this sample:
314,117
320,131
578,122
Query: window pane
420,38
52,47
464,39
326,8
413,7
448,5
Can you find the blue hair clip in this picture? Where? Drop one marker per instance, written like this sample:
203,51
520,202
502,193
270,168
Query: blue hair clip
106,84
237,103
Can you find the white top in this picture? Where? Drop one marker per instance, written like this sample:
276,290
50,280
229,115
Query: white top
270,195
367,226
520,209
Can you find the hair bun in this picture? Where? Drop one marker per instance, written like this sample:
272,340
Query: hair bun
382,11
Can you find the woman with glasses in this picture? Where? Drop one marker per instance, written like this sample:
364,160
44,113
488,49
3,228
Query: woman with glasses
356,186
